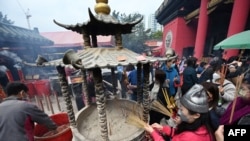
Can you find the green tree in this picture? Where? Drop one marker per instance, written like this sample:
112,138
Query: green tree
4,19
156,35
134,41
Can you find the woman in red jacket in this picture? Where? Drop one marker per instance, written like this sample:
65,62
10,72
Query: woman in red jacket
195,122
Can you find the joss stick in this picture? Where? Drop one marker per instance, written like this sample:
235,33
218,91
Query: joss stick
135,120
109,125
223,74
165,93
165,96
157,106
238,84
50,104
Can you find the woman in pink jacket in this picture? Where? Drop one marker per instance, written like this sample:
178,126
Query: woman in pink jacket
193,117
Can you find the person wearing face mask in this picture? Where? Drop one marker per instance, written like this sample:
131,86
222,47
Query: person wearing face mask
18,116
195,122
172,75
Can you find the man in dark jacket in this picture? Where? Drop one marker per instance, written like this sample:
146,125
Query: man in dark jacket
189,75
18,116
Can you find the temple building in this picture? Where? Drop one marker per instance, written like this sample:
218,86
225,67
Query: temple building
194,27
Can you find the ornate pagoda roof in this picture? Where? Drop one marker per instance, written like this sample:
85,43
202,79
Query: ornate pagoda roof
101,57
101,24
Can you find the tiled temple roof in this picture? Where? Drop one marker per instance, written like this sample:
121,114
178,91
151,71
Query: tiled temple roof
10,34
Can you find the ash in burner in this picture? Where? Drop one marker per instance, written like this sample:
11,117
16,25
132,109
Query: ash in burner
116,111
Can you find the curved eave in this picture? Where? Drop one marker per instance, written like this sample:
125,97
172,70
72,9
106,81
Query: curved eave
102,24
107,58
77,28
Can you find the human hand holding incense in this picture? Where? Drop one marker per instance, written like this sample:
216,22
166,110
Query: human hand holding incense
148,128
221,90
157,126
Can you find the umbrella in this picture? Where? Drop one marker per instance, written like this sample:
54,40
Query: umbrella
237,41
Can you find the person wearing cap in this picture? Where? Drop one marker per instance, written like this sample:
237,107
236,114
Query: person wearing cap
18,116
195,122
172,76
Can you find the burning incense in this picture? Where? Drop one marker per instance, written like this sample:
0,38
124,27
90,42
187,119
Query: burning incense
223,73
238,85
165,93
158,107
136,121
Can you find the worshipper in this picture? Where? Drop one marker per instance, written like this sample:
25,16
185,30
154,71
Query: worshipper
213,66
201,67
172,76
213,98
18,116
189,75
241,113
234,69
132,84
195,122
227,91
156,93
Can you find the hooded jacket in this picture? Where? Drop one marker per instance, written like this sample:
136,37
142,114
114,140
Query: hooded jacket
17,120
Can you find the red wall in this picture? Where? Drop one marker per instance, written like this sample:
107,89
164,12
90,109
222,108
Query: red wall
183,35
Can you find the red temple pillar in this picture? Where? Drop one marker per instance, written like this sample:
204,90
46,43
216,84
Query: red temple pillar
202,30
237,23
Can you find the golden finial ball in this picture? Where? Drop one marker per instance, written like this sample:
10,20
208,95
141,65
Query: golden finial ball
102,8
102,1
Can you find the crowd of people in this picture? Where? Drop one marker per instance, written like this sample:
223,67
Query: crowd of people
205,91
208,96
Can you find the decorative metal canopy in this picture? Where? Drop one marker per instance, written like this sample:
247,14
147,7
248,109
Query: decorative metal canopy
102,57
95,58
102,24
107,58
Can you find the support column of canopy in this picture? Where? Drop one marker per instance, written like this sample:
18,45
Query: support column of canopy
66,96
101,103
84,88
145,98
237,23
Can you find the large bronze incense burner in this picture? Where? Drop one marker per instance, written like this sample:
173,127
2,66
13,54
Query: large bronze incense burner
104,120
